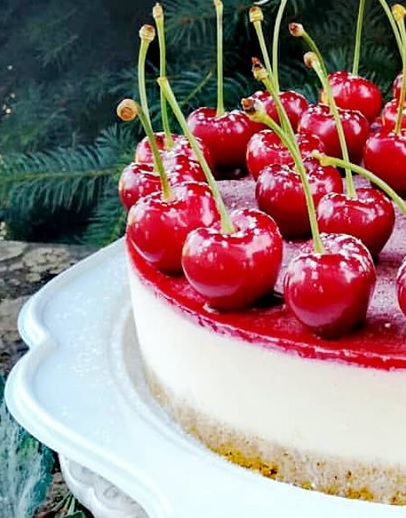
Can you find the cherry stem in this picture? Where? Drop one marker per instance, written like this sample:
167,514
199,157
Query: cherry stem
226,223
399,15
275,43
147,34
220,74
297,30
313,61
158,164
326,160
358,34
158,14
256,18
128,110
256,112
391,19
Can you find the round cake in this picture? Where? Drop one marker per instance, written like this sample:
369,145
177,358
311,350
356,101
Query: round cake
261,389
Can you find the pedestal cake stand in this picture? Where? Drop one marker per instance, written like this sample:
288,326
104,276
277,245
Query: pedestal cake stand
80,390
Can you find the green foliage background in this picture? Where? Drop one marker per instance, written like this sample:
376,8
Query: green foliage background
65,65
25,467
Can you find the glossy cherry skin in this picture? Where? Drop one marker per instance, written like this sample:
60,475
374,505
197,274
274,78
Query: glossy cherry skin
319,121
265,148
157,228
279,193
390,115
226,136
355,93
370,217
401,287
385,156
143,152
136,181
231,271
183,166
293,102
330,292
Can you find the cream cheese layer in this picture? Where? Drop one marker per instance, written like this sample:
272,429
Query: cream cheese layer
326,406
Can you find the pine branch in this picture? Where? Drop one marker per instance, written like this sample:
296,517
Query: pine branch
107,221
54,178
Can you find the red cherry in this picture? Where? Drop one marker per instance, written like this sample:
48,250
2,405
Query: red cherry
265,148
390,115
293,102
136,181
143,152
157,228
279,193
385,156
319,121
330,292
401,286
231,271
369,217
355,93
225,136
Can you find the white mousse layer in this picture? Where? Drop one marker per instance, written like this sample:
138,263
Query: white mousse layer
327,407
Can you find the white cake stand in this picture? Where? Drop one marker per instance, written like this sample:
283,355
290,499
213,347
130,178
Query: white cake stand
80,390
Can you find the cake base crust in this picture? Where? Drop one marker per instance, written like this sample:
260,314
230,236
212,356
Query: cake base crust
343,477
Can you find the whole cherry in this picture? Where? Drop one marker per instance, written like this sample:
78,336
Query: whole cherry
370,217
293,102
385,156
157,227
226,135
353,92
279,193
233,270
330,292
319,121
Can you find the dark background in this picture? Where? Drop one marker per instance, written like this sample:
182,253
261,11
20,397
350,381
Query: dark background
65,65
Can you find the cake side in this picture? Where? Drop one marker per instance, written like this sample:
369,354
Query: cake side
298,420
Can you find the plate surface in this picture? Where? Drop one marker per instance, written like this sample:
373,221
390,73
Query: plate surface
80,390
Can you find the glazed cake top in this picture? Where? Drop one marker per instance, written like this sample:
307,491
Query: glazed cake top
380,343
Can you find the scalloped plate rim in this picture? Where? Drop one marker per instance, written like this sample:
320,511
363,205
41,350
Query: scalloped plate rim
148,494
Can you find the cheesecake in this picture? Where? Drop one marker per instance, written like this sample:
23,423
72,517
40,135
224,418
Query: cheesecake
260,389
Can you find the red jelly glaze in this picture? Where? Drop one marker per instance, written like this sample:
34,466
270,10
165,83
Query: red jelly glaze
380,344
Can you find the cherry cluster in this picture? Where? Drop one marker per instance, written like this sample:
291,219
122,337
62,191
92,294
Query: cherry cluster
297,154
